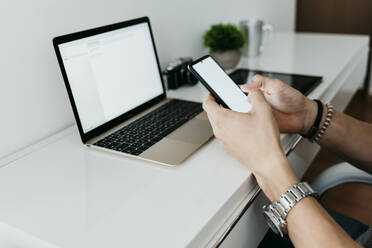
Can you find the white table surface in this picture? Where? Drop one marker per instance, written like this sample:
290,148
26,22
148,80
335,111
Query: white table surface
61,194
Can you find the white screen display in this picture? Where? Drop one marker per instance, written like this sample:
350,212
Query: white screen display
111,73
222,85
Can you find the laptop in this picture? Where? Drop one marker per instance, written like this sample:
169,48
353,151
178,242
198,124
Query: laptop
116,89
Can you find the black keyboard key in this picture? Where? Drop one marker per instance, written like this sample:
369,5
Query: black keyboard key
156,138
136,152
123,146
143,148
128,150
142,141
112,145
117,148
149,143
136,145
101,143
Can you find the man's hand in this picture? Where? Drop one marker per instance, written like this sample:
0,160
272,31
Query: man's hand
246,134
294,112
253,138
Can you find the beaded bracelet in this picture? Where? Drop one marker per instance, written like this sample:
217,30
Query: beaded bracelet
325,125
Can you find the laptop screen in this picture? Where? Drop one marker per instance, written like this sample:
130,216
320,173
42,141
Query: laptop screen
111,73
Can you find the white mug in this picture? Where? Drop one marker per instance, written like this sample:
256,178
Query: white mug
257,34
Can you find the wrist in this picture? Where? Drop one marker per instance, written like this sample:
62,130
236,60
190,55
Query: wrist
310,112
277,177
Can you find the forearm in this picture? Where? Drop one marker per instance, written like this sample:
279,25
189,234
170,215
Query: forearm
350,139
309,225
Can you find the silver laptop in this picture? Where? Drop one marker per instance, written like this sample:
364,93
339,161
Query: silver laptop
116,89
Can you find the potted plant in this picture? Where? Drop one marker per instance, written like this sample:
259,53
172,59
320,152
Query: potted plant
224,42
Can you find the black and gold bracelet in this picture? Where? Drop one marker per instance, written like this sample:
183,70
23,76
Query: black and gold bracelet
325,125
315,127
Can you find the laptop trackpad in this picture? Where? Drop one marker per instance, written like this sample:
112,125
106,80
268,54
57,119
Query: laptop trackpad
195,131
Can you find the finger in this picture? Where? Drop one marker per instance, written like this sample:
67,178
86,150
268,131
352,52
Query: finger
257,99
209,103
260,80
213,109
210,97
250,86
245,87
268,85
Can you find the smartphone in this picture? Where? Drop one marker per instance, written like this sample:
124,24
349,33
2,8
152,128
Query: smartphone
219,84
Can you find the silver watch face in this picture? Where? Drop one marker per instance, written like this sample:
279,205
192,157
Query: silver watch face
276,213
273,223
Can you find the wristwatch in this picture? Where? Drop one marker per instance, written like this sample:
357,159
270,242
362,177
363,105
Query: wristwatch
276,213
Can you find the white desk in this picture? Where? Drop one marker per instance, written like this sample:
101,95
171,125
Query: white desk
60,194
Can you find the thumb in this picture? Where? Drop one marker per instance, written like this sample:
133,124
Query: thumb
251,86
257,99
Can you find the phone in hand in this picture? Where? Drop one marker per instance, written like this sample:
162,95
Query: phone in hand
219,84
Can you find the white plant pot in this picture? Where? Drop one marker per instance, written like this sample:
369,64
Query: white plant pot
228,59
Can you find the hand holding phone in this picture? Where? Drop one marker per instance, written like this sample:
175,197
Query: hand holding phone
219,84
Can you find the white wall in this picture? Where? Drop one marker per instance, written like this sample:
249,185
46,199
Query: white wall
33,101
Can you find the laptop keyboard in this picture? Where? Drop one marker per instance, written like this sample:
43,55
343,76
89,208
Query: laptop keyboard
143,133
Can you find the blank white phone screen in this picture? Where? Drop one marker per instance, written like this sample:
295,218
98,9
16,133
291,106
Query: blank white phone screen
222,85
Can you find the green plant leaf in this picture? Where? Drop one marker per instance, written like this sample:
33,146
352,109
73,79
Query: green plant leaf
223,37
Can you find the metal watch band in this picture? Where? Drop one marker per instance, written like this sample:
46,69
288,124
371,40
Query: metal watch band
287,200
279,210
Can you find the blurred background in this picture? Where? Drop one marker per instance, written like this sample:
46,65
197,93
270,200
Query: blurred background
29,69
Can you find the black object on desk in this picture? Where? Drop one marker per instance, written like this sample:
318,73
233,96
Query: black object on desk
305,84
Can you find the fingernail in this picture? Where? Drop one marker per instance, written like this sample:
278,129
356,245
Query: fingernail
266,92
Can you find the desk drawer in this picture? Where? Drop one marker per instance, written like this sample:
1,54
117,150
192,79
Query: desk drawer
250,229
